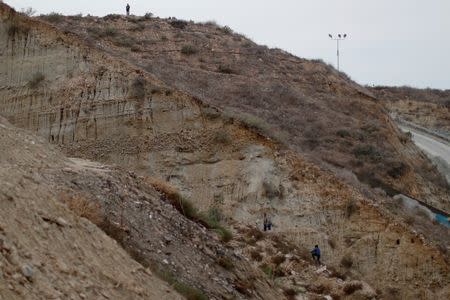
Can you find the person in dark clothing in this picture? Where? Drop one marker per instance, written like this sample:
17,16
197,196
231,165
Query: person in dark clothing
316,254
267,223
128,9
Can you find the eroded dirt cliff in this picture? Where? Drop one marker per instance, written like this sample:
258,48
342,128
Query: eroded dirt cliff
98,106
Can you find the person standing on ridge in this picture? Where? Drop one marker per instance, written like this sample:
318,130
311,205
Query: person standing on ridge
316,254
267,222
128,9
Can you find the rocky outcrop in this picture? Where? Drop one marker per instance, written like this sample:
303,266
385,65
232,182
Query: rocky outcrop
104,109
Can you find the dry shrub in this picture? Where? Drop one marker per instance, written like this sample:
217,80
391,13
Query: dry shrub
350,208
188,50
278,259
36,80
256,255
255,233
16,28
244,287
225,262
222,137
347,261
332,243
337,273
179,24
53,17
83,207
290,293
321,287
351,287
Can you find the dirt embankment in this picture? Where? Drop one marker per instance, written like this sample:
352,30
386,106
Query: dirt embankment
47,251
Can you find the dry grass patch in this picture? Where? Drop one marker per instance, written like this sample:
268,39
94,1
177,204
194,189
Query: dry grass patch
83,207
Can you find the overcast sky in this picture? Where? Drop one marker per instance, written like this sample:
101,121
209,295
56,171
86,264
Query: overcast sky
391,42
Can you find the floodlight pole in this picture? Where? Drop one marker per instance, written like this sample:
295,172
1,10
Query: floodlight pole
340,37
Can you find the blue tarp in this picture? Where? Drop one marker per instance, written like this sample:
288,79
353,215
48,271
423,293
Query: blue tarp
443,220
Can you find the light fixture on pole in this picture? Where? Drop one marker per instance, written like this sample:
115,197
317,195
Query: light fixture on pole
338,38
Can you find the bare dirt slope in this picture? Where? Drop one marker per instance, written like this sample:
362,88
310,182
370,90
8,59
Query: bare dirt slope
48,252
305,104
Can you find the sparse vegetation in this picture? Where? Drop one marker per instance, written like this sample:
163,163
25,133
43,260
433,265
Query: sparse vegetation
53,17
83,207
351,287
225,69
110,31
185,207
222,137
138,89
36,80
350,208
278,259
366,150
256,255
397,169
343,133
268,270
29,11
17,28
191,293
178,24
188,50
271,190
290,293
226,30
347,261
225,262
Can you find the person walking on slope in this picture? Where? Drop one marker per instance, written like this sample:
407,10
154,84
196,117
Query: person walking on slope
267,222
316,254
128,9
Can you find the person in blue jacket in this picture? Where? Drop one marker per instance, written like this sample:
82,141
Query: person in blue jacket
316,254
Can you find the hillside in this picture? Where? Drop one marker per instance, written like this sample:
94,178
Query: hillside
48,252
306,105
212,146
425,107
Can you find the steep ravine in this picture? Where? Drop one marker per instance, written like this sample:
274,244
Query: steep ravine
100,108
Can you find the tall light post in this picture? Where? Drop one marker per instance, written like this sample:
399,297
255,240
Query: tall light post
338,38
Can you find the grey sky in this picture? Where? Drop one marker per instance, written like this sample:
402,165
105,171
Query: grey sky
392,42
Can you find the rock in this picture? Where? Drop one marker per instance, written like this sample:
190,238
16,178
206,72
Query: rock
28,272
61,222
165,261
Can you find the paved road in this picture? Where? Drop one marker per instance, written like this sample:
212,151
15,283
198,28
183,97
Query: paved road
429,144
